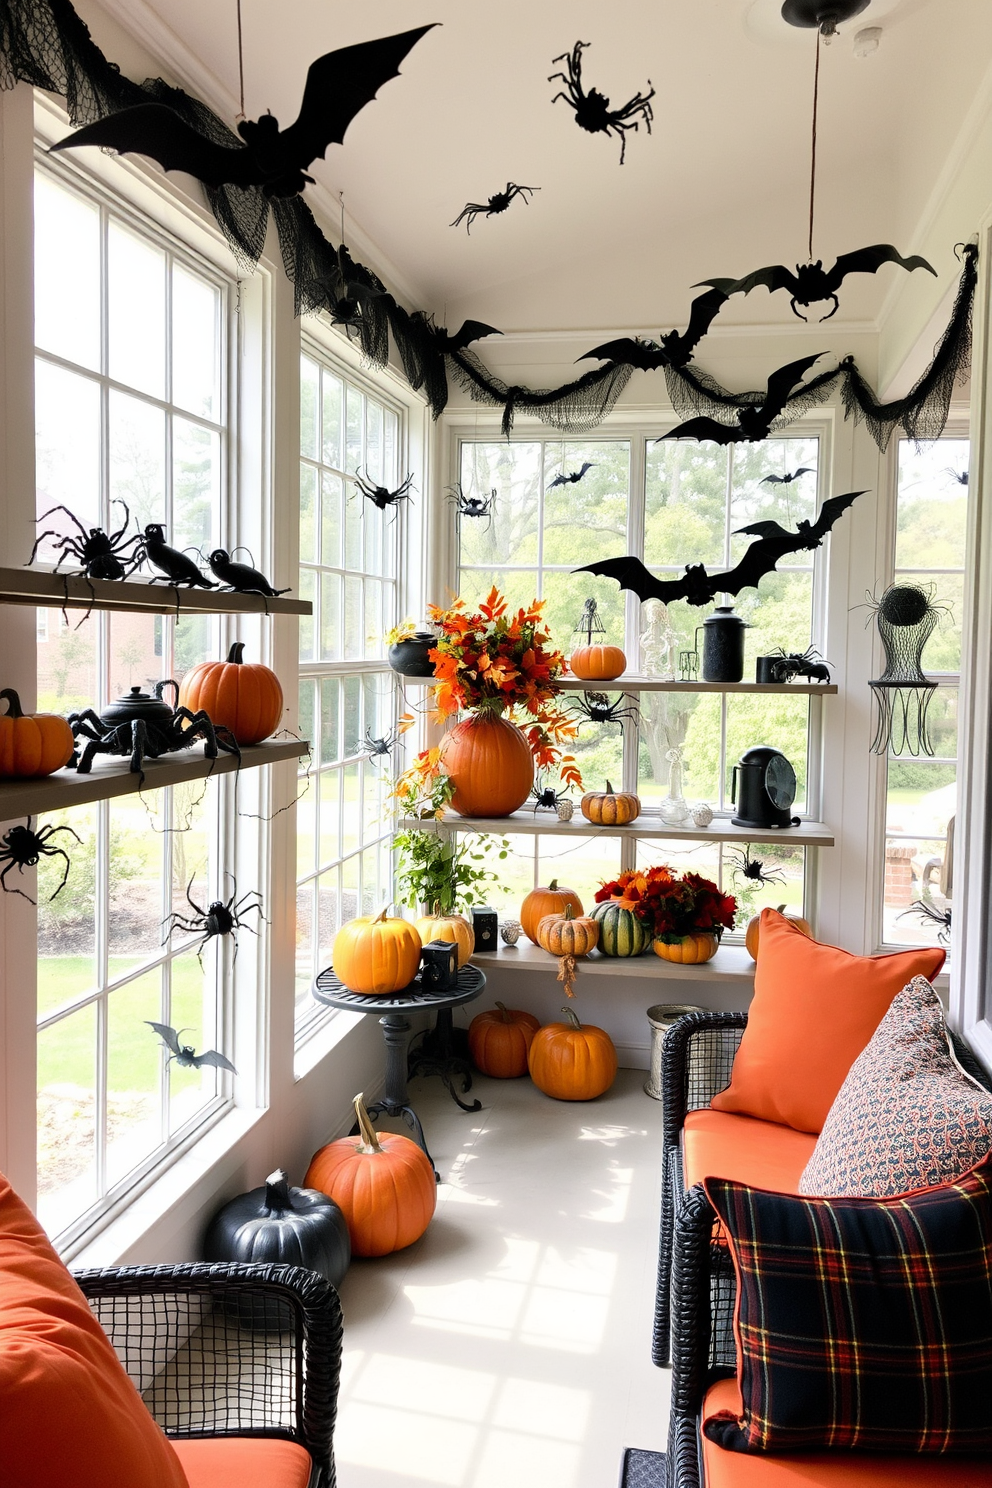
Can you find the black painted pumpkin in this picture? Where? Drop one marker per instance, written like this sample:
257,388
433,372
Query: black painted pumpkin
282,1225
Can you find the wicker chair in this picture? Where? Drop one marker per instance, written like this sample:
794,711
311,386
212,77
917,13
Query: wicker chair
228,1349
696,1064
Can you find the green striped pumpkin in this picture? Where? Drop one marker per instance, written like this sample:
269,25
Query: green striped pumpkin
620,932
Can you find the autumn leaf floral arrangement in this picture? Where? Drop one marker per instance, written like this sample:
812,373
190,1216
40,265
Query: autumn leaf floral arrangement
685,913
499,668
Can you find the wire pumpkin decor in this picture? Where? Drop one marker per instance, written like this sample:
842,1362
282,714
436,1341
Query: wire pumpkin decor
906,618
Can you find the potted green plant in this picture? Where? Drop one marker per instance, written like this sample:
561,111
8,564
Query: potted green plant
443,877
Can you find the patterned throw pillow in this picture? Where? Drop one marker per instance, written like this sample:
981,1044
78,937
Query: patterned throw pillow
861,1323
907,1116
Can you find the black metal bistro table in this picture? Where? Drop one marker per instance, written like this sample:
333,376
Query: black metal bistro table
329,990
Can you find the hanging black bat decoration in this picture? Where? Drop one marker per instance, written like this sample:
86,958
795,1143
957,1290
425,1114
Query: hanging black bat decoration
592,110
468,331
673,349
697,587
497,203
338,87
573,479
754,420
787,478
184,1054
812,283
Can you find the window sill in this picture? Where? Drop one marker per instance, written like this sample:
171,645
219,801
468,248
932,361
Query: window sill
325,1036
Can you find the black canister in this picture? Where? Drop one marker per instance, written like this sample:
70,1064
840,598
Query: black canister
723,645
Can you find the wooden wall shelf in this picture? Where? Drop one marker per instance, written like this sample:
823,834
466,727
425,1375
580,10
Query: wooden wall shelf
36,586
652,684
648,824
112,777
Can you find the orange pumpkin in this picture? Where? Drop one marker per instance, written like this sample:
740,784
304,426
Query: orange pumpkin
571,1060
610,808
243,696
453,927
377,955
490,763
597,663
383,1185
567,934
32,743
754,925
541,902
498,1041
688,950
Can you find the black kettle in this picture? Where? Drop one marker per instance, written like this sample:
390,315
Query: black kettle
150,706
723,645
767,789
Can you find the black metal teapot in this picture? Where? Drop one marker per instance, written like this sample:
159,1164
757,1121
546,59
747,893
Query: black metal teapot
149,706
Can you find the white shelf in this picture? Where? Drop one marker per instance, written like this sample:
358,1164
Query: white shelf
730,964
36,586
648,824
652,684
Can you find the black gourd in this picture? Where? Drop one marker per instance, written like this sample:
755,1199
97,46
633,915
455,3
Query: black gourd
276,1223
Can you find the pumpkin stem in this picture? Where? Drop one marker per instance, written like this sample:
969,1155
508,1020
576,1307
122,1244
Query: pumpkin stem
504,1014
781,907
572,1019
553,885
382,916
370,1142
277,1192
609,789
14,709
236,655
568,913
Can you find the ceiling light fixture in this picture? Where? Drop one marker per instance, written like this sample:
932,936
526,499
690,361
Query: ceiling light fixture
825,15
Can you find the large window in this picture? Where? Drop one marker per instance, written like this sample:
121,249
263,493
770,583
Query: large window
131,335
921,793
670,504
349,568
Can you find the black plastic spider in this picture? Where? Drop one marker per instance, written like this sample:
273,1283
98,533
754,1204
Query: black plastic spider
592,109
494,206
596,706
102,555
381,495
21,848
808,663
929,914
473,506
751,868
374,749
547,797
222,917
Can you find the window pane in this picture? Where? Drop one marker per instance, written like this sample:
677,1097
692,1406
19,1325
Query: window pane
309,384
665,718
195,343
582,865
330,748
134,1075
781,721
193,1007
308,591
756,499
330,816
330,616
304,946
195,486
136,881
136,331
67,284
333,492
308,514
67,674
67,455
67,1119
329,917
586,519
686,503
137,459
514,472
66,924
354,453
333,426
933,504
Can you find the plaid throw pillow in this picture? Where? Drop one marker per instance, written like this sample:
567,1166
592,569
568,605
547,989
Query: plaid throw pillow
861,1323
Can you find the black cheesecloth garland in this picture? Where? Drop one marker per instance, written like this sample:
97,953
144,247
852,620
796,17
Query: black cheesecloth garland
46,44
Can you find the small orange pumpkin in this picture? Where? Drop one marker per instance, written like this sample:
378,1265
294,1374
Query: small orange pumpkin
546,901
453,927
383,1185
567,934
32,743
571,1060
376,956
597,663
754,928
490,764
498,1041
610,808
244,697
689,950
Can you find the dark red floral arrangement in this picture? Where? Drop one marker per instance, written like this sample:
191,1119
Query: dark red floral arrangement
671,904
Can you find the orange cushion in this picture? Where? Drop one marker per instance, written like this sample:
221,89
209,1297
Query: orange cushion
723,1469
69,1414
244,1462
717,1144
814,1009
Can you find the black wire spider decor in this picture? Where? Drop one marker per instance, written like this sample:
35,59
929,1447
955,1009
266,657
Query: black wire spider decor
473,507
221,917
790,664
906,618
23,847
376,749
546,797
496,204
592,110
927,913
381,496
752,868
597,708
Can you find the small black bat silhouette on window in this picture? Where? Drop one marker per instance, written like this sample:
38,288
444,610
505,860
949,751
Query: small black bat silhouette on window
184,1054
561,479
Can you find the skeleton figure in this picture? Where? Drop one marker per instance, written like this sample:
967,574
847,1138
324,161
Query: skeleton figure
659,643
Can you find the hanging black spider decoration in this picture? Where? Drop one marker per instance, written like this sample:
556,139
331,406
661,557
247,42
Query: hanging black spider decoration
547,797
240,577
22,847
184,1054
592,110
929,914
375,749
808,663
751,868
961,476
597,708
222,917
473,506
496,204
102,555
381,496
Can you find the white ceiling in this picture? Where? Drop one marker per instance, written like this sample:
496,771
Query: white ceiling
719,188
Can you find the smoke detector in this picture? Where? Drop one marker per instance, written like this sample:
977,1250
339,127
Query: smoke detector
866,40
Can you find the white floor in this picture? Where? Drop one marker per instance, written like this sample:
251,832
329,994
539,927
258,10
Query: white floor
510,1347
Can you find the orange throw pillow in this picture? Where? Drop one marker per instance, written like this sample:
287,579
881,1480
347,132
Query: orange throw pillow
815,1008
69,1414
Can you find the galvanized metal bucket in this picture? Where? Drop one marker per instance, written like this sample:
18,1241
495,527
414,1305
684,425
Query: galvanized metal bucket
661,1017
